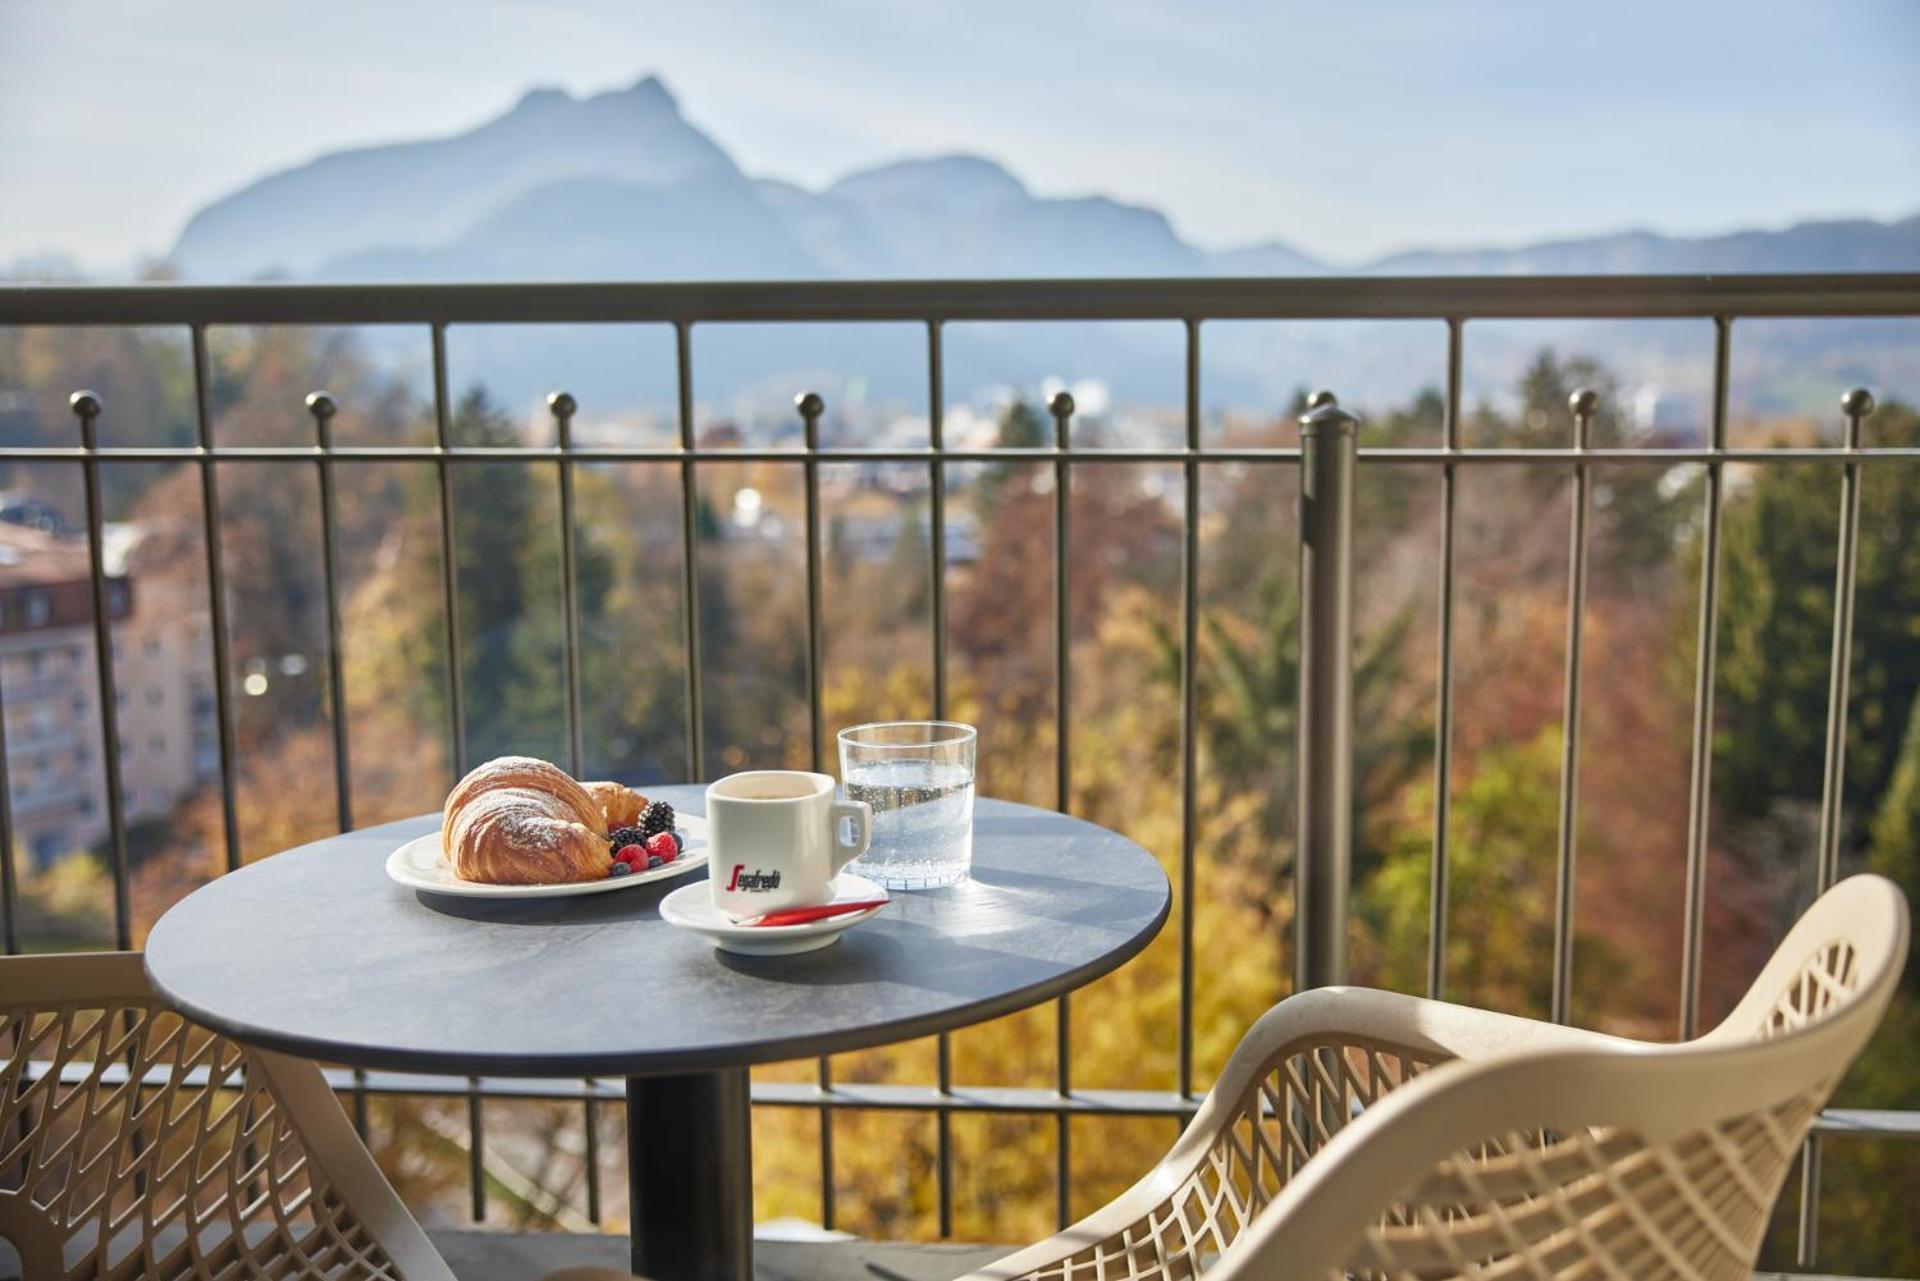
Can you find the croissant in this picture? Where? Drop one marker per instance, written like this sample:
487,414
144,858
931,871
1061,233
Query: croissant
619,804
520,821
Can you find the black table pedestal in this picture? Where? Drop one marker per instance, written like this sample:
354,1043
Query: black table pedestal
690,1176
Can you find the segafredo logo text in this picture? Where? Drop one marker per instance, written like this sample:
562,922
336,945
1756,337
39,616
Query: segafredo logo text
745,880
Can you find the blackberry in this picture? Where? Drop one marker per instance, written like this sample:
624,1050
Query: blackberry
656,818
622,837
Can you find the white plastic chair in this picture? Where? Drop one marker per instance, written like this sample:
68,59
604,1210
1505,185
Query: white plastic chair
225,1163
1363,1133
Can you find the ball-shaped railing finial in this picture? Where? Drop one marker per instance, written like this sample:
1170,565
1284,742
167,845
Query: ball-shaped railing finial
321,405
562,404
84,404
1324,415
809,404
1583,402
1061,404
1857,403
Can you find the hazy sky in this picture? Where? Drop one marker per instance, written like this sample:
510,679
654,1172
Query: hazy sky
1347,129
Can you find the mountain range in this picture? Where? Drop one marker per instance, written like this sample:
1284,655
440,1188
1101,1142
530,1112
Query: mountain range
621,185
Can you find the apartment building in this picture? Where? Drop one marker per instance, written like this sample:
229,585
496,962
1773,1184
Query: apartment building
47,678
163,676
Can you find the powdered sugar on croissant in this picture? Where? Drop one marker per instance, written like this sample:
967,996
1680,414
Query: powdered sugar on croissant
517,820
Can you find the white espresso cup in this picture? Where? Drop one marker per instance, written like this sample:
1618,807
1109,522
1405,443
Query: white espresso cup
776,838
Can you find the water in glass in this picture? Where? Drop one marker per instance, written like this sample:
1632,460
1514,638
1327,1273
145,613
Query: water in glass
918,777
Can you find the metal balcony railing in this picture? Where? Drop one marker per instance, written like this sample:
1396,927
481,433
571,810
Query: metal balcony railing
1327,459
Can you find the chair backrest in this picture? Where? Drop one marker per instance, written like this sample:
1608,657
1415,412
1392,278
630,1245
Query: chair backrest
1656,1161
134,1143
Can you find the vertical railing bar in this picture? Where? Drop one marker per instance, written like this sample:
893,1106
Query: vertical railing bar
937,539
476,1153
943,1133
210,515
690,546
593,1155
937,510
9,889
1582,403
824,1069
456,695
216,589
1705,662
1189,664
323,408
9,893
1061,407
1856,404
1437,896
562,405
1808,1245
449,574
86,406
811,406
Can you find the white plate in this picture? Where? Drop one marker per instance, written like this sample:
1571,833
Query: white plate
691,908
420,865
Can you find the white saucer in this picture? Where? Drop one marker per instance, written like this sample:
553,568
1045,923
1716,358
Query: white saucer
420,865
691,908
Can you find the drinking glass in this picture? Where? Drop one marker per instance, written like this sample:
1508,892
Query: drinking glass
918,777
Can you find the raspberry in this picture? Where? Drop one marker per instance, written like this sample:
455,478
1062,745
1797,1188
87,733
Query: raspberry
664,846
630,853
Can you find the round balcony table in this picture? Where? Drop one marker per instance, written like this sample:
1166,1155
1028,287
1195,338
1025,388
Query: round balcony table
315,952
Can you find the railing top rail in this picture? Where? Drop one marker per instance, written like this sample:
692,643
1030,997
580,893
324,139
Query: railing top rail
1168,298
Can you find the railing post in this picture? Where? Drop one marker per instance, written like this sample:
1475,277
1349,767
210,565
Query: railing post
1323,833
1856,405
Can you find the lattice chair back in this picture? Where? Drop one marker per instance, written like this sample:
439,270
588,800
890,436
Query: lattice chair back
1655,1161
1357,1133
134,1143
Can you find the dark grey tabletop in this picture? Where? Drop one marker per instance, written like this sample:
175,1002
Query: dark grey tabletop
317,953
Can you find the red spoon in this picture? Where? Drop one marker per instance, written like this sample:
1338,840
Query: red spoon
802,915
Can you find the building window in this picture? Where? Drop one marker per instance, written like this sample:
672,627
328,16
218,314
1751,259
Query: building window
152,647
39,609
153,696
